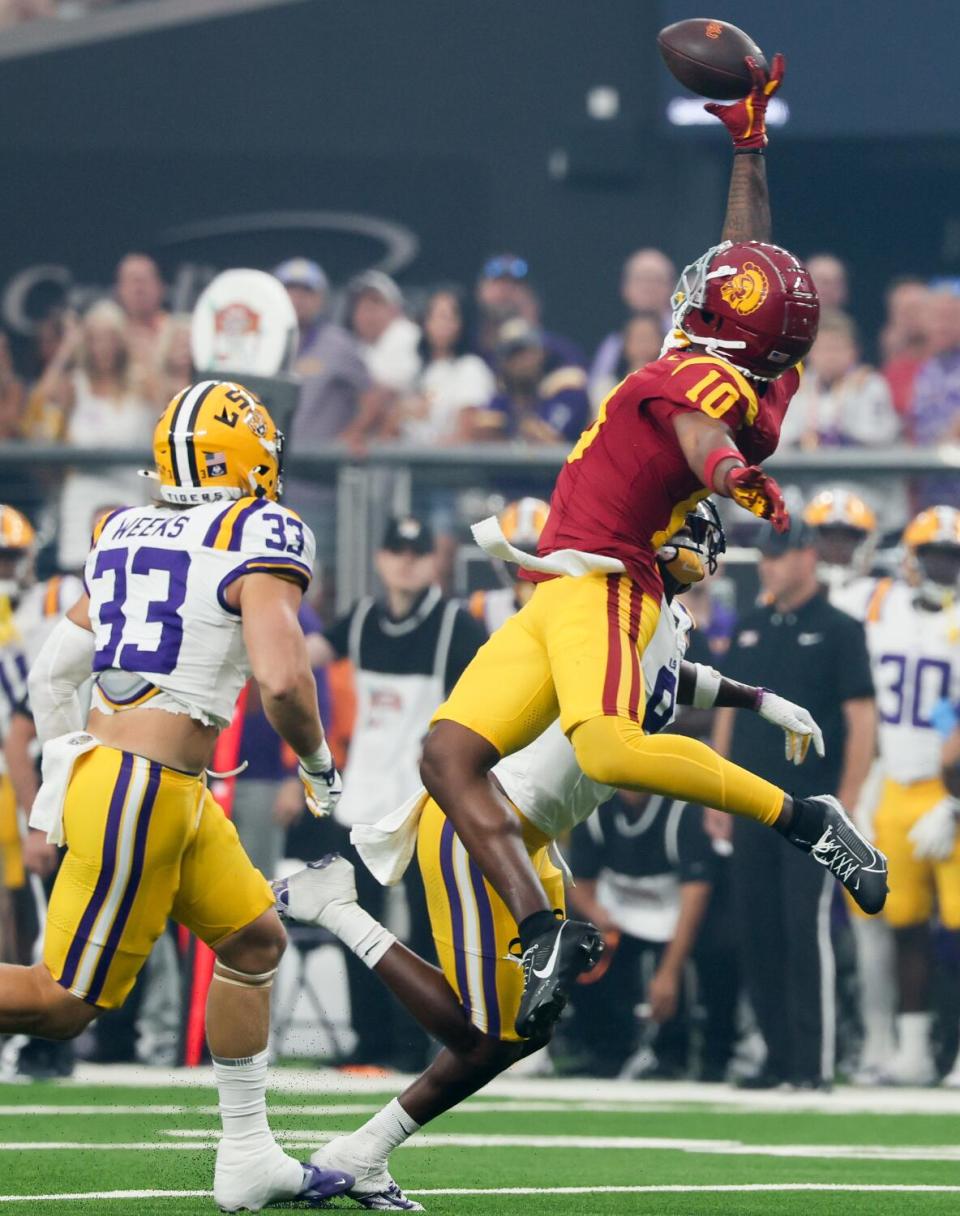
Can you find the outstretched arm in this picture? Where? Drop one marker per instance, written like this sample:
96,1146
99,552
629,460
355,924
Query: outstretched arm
748,201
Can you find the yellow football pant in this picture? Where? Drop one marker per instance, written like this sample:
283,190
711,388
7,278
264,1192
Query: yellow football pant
576,649
915,881
144,842
472,928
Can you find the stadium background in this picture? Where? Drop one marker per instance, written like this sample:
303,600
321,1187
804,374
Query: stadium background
422,138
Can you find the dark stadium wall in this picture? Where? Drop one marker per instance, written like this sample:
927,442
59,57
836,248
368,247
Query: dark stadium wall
417,136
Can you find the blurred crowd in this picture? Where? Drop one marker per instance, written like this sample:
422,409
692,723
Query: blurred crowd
19,12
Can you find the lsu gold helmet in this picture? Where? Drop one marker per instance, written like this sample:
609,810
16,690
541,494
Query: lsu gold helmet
523,521
18,542
216,440
845,526
932,562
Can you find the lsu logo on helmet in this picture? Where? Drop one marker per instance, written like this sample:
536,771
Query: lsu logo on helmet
746,291
216,440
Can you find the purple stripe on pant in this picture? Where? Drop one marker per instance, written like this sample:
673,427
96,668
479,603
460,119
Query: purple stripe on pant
447,837
108,864
133,885
488,946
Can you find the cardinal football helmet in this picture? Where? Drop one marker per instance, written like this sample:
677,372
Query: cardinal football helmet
216,440
749,303
932,544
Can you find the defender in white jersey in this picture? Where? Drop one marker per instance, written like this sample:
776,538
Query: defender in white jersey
913,631
471,1004
184,601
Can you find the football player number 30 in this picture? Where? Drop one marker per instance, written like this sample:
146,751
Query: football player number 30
162,658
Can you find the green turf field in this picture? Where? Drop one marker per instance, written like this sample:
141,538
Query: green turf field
670,1157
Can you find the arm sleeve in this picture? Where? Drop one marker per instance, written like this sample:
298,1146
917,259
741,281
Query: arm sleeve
854,678
468,636
62,666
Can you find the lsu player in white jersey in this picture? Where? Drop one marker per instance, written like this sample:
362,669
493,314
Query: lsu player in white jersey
184,600
522,522
470,1004
913,632
845,527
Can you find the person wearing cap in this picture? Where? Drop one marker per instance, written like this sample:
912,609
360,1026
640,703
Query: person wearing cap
503,293
408,648
389,342
334,386
532,403
817,656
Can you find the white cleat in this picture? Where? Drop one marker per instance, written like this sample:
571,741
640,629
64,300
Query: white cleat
373,1187
905,1070
952,1079
252,1172
315,894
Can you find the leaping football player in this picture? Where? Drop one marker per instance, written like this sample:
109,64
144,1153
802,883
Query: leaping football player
471,1004
184,600
694,422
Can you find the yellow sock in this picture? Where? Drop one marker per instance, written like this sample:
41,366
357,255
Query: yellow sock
615,751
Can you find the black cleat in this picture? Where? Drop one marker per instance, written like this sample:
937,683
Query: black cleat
550,965
848,855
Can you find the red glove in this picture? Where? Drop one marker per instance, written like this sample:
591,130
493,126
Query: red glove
752,489
746,120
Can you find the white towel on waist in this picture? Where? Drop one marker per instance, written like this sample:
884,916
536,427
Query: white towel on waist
59,757
489,536
387,846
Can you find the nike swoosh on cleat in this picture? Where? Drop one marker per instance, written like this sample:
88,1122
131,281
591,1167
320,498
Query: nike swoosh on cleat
551,961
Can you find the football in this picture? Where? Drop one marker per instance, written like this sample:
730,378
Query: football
707,57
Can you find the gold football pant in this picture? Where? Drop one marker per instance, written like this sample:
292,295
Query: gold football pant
916,884
472,928
144,843
576,649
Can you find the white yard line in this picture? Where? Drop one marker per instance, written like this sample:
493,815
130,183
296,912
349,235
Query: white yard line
199,1139
313,1111
869,1188
315,1082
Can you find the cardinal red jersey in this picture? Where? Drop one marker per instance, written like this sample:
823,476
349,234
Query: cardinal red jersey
626,486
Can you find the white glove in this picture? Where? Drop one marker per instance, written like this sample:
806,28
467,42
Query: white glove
934,833
321,781
795,722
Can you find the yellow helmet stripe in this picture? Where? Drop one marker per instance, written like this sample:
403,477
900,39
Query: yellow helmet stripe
183,452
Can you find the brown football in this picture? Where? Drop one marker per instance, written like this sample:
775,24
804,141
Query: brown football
707,57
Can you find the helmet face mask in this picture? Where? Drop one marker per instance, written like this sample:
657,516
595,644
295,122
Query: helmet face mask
694,550
846,529
216,441
751,304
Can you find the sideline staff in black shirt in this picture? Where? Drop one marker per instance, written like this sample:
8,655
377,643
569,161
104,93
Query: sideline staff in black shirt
817,656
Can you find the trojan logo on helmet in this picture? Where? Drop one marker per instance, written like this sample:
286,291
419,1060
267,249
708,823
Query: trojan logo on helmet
750,303
216,440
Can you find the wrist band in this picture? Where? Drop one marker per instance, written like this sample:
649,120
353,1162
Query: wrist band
748,151
715,458
707,687
320,761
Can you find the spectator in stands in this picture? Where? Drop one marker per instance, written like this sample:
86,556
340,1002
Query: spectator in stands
646,285
329,361
640,343
840,401
11,394
44,420
389,342
175,368
504,292
139,289
532,404
936,397
830,277
451,379
15,12
94,379
905,339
